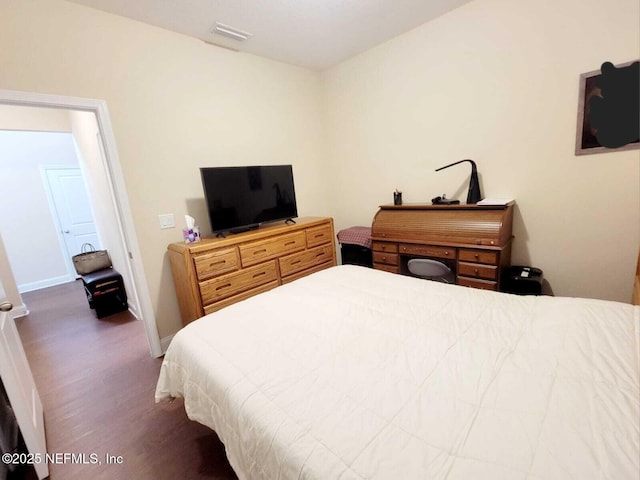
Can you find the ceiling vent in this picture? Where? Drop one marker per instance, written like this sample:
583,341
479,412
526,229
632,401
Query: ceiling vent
230,32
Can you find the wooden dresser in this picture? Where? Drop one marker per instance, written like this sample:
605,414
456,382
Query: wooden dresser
475,241
217,272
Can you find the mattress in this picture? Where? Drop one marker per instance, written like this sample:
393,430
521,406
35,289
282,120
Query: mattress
354,373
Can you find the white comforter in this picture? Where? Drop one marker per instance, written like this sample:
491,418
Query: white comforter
354,373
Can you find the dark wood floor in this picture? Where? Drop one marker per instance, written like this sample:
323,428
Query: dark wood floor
97,380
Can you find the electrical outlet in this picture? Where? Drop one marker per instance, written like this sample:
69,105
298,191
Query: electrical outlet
167,220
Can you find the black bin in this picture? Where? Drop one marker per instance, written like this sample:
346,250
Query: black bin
523,280
355,246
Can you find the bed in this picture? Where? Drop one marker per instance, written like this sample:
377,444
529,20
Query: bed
354,373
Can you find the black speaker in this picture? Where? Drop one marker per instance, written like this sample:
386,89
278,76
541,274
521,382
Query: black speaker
522,280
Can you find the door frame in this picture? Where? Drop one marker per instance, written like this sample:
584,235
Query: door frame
115,180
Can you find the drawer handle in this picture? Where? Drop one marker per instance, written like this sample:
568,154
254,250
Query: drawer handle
258,252
476,255
226,285
321,254
318,235
404,249
384,259
291,242
295,262
384,247
259,274
446,252
212,264
475,270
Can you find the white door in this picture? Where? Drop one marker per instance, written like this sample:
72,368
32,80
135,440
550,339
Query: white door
72,209
21,389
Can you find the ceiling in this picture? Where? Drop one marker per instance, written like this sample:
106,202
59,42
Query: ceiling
310,33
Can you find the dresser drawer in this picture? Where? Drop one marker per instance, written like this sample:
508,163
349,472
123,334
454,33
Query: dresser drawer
385,247
304,273
302,260
427,251
476,270
319,235
236,282
478,256
255,252
216,262
213,307
385,258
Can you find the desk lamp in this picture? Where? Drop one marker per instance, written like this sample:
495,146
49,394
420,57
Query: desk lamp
474,195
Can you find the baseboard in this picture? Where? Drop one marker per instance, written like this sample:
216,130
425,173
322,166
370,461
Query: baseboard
49,282
132,311
164,343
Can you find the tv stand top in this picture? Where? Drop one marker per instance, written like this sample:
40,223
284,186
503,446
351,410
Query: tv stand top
248,228
235,231
265,230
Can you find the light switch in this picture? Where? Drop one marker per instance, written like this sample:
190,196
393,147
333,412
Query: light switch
167,220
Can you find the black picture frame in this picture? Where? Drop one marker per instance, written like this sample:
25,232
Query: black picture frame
586,140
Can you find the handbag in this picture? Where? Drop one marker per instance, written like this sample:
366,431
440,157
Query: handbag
90,260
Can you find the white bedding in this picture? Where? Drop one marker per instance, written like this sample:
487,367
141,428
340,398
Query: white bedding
355,373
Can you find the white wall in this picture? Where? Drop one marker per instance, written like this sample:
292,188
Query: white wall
30,237
176,104
496,81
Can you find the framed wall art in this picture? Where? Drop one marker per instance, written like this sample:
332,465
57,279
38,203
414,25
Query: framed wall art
609,109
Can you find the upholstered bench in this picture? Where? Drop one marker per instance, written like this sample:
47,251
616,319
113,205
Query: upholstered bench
105,291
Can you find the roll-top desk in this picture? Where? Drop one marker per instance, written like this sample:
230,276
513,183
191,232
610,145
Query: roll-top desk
217,272
474,241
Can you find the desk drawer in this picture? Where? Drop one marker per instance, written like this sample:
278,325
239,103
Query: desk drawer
386,268
476,270
236,282
385,258
478,256
255,252
385,247
427,251
302,260
477,283
216,262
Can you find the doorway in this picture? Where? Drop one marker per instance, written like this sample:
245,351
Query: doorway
71,210
32,234
118,203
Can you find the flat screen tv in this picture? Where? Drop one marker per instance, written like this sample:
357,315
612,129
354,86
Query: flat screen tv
241,198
